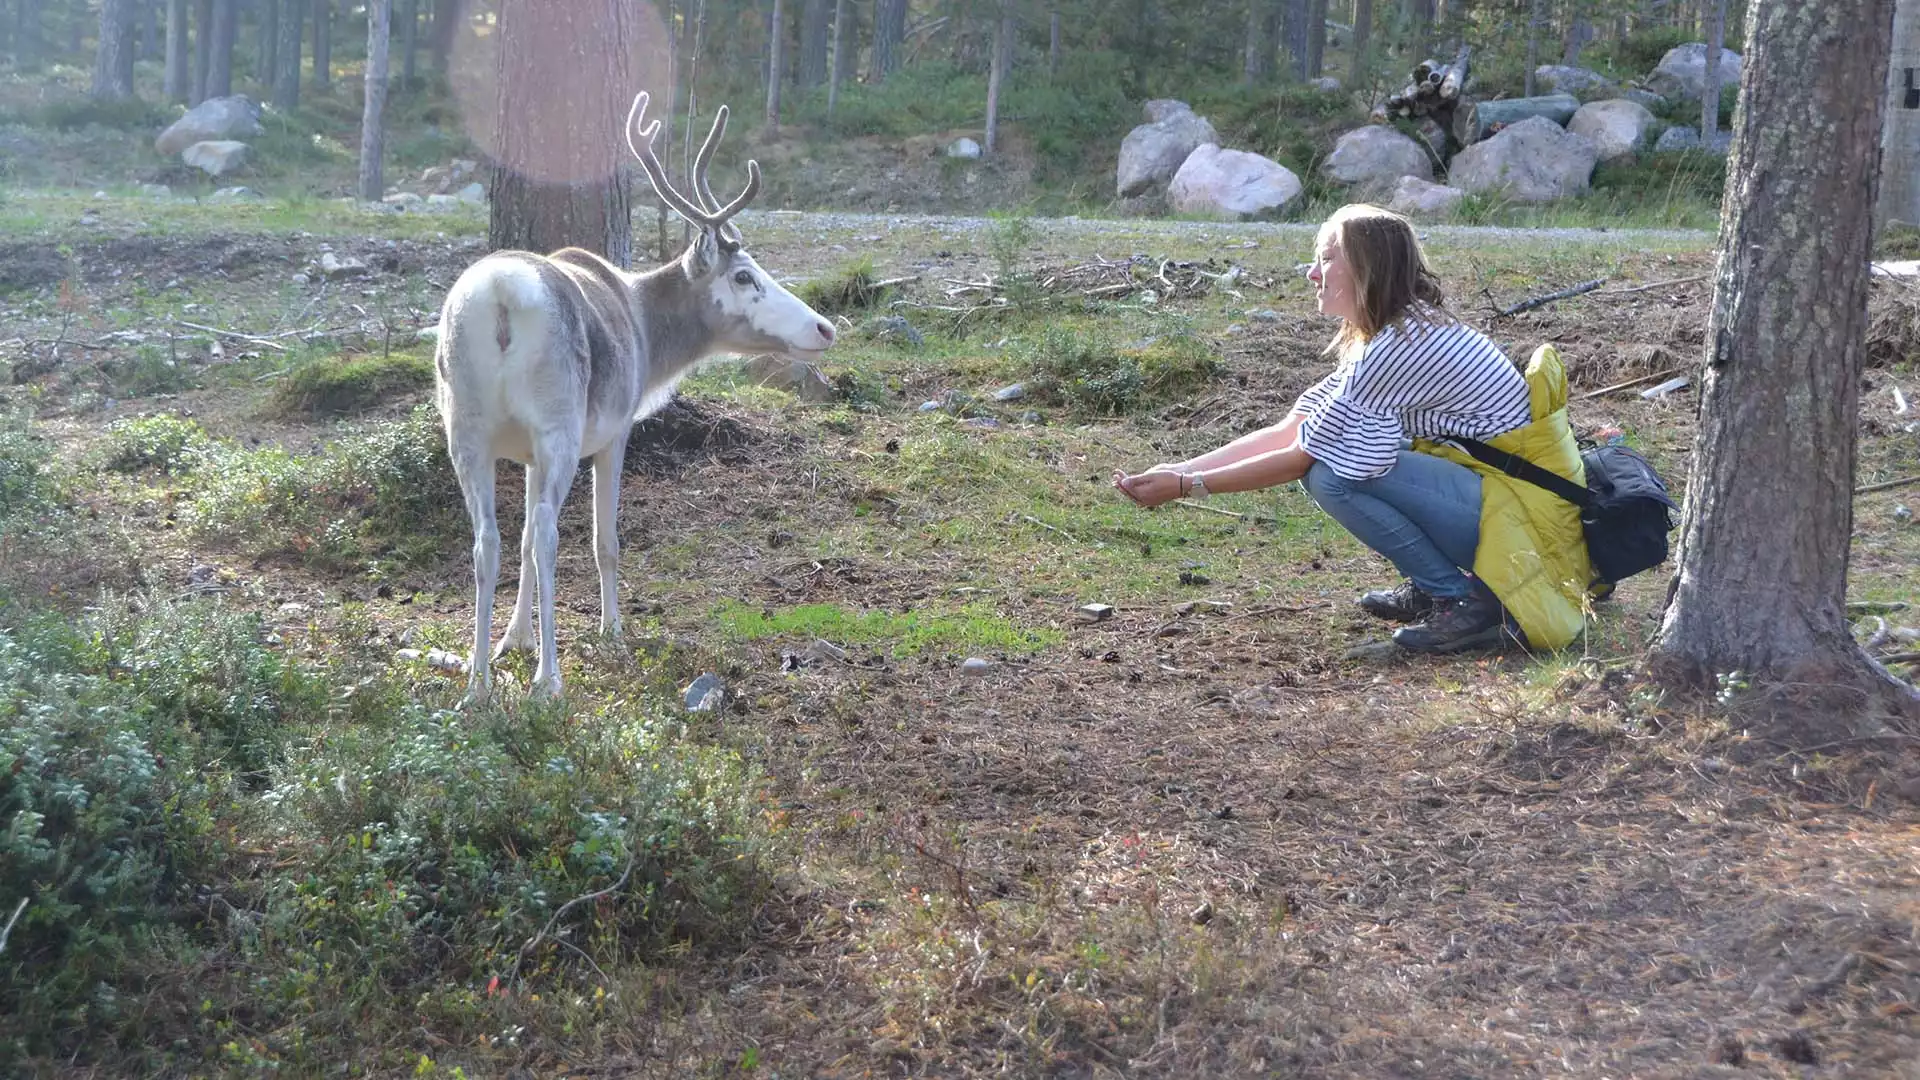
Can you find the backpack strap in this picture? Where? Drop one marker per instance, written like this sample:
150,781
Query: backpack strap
1521,469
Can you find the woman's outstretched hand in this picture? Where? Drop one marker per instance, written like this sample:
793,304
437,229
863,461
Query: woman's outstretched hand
1157,485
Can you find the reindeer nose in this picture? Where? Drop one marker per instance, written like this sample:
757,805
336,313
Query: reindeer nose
826,331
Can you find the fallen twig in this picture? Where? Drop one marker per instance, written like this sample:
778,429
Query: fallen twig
1031,520
235,334
1900,658
1887,485
632,856
1651,285
1542,301
7,931
1225,513
888,282
1633,382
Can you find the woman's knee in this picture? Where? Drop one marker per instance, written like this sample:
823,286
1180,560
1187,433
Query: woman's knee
1323,483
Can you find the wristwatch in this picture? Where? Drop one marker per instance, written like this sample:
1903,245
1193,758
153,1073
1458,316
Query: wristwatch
1196,487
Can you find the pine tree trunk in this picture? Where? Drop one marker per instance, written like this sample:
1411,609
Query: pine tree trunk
177,85
28,38
997,73
889,25
776,49
286,75
1900,144
838,64
149,19
813,43
202,49
226,21
445,25
113,53
1053,43
373,112
1259,52
1762,575
1715,14
266,56
1316,38
409,43
323,41
1362,36
1536,15
1295,35
559,170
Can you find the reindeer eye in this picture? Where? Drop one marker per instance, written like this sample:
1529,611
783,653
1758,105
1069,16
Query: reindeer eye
743,277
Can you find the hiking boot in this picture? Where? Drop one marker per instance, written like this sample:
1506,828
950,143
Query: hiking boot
1457,622
1408,603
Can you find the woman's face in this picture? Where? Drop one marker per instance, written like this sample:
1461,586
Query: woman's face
1333,281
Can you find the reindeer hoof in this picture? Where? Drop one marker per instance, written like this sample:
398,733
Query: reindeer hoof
516,640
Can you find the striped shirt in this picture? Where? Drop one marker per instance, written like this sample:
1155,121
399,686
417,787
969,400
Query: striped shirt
1415,380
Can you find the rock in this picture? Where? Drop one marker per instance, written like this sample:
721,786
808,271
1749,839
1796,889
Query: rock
442,202
1326,84
894,326
403,199
1681,74
964,148
1162,108
1231,184
1651,101
462,168
211,120
1266,315
1011,393
929,406
974,665
428,333
704,694
826,650
1618,127
156,191
436,177
335,268
1415,197
1535,160
798,377
1682,137
1094,612
216,157
1372,159
472,193
1152,154
234,194
1562,79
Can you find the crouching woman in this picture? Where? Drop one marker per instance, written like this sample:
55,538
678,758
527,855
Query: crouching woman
1481,551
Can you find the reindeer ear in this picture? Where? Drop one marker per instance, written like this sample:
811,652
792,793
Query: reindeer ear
703,256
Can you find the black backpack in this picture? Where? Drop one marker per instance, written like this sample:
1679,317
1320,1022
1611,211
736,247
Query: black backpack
1625,510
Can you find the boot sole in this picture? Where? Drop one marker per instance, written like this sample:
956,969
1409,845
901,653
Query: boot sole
1490,636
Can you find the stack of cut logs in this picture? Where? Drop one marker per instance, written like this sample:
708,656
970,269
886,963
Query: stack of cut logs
1434,91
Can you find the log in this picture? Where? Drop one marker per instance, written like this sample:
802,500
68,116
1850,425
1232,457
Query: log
1477,119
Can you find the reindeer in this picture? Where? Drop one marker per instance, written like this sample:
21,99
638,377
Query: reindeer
546,359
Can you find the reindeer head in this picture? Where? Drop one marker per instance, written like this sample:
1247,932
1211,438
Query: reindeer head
747,311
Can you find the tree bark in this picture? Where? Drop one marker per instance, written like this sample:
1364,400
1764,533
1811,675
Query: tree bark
1053,43
202,49
373,111
266,56
1295,36
997,73
1900,143
1762,574
776,49
286,76
446,24
28,38
1254,66
889,26
149,19
113,53
561,107
177,85
1536,14
409,42
1362,35
813,43
226,21
1316,37
838,64
323,41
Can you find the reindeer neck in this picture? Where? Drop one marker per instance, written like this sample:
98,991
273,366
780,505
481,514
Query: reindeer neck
670,310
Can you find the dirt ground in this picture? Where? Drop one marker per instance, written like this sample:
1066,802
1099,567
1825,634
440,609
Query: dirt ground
1181,843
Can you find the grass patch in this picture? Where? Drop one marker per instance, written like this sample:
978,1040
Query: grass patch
847,289
1086,371
165,442
907,634
353,382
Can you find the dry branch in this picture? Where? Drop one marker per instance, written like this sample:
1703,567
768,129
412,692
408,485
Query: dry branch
1887,485
1630,383
1542,301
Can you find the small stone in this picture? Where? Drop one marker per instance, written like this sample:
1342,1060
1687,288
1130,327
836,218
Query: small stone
472,193
826,650
974,665
929,406
1264,315
301,279
1203,607
1032,416
333,266
704,694
1011,393
1095,612
1203,914
1901,514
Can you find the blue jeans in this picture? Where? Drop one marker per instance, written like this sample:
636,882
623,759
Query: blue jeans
1423,515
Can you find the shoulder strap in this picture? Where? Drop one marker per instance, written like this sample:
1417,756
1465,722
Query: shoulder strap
1521,469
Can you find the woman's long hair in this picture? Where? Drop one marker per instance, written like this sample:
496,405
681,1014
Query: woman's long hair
1390,274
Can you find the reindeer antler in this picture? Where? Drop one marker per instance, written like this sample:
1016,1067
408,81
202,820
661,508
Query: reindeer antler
640,140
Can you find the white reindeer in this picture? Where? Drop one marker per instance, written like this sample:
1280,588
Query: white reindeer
546,359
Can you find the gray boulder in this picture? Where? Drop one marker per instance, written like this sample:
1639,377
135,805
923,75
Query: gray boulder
1415,197
1372,159
1681,137
1562,79
216,157
1231,184
1618,127
1682,74
1153,152
212,120
1535,160
1163,108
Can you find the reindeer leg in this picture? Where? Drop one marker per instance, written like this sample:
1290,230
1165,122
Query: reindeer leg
519,635
606,531
555,462
474,467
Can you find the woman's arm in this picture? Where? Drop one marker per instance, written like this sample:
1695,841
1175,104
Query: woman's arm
1253,444
1274,467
